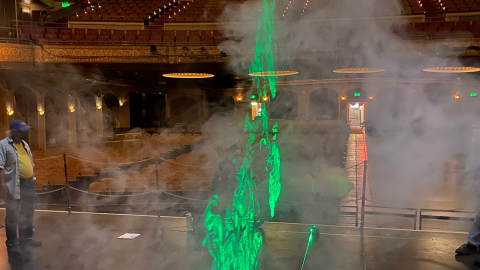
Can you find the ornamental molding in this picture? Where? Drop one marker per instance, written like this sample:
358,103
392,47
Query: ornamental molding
16,53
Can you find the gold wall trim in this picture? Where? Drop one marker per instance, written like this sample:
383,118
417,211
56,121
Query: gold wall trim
16,53
195,54
126,54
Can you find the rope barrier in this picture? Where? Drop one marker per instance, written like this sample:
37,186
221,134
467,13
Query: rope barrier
112,195
96,162
137,194
51,191
112,163
186,165
47,158
182,197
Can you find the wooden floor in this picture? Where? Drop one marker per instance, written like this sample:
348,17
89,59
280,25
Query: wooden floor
89,241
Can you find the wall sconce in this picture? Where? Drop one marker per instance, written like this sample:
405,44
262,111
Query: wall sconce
370,97
41,112
120,103
456,96
72,110
239,98
343,97
98,101
265,98
10,112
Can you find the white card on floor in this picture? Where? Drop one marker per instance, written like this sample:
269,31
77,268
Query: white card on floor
128,236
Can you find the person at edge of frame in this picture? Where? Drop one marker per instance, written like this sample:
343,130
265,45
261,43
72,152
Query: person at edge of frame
17,187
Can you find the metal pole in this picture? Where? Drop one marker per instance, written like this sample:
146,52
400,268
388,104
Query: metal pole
356,194
362,219
415,220
16,22
420,220
67,185
156,182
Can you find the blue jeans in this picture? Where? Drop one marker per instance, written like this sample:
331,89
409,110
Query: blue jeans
20,213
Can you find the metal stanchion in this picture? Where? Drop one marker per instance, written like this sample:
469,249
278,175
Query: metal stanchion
362,218
156,182
356,195
67,185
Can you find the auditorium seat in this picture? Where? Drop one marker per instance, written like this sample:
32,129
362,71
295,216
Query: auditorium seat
169,39
52,31
64,37
462,26
143,39
475,27
97,188
446,27
156,39
92,32
194,39
130,38
50,36
65,31
38,186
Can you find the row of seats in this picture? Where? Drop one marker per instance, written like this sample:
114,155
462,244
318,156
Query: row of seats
412,7
188,172
433,28
461,5
195,170
451,6
119,36
89,161
132,11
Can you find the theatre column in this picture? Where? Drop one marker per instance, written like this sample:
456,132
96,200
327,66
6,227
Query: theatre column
72,122
99,117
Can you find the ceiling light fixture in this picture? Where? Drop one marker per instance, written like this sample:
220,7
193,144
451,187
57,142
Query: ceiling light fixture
188,75
273,73
359,70
451,69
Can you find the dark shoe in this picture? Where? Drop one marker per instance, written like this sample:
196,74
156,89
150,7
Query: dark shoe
467,249
31,243
13,248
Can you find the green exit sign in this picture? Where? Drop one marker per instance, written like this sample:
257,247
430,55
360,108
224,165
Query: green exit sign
473,94
357,94
65,4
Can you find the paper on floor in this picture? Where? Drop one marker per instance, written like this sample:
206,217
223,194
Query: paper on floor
128,236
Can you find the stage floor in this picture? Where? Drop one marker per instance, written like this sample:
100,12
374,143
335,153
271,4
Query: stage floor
89,241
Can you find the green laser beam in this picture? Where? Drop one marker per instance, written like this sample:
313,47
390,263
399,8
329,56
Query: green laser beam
310,239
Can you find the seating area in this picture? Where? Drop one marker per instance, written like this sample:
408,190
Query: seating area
195,170
412,7
70,36
200,11
461,5
128,10
188,172
468,28
89,161
415,7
